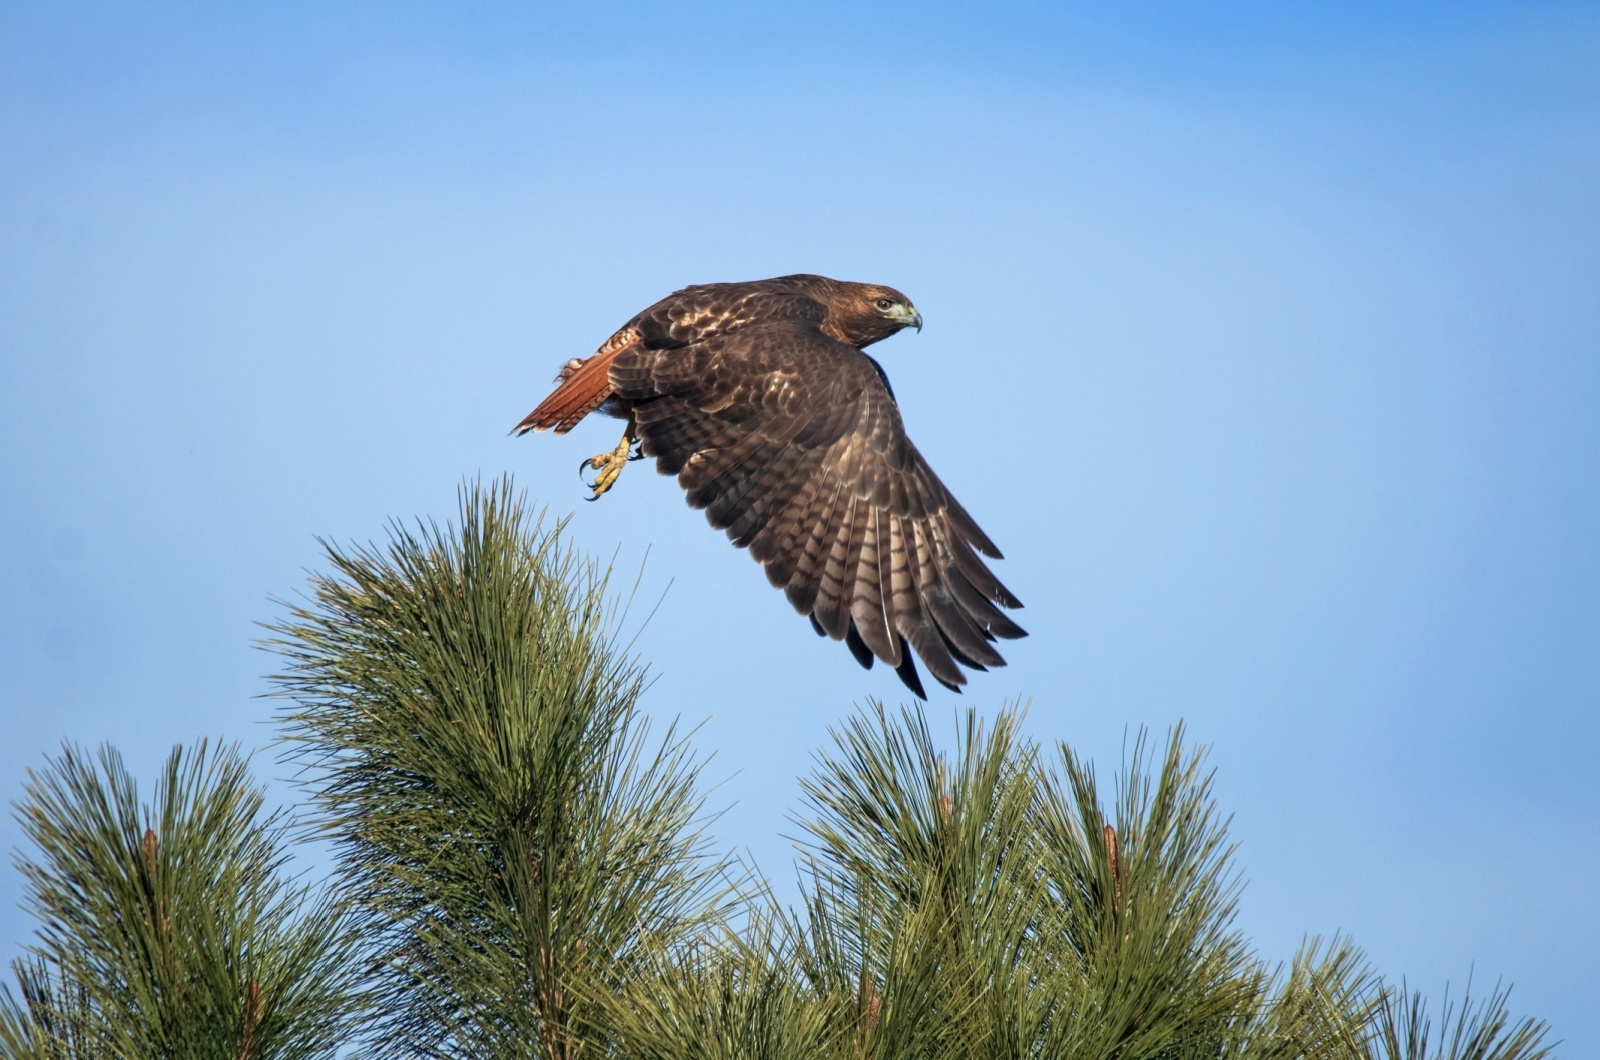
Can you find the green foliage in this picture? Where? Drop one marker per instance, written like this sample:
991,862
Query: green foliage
169,930
990,906
925,885
740,996
1467,1031
985,905
522,864
505,823
1145,901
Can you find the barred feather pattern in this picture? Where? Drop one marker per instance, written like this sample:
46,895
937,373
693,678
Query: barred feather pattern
791,443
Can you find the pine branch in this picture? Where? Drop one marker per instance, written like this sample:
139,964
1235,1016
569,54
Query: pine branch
169,929
1467,1030
515,838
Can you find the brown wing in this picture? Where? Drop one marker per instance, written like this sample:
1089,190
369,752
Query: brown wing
792,443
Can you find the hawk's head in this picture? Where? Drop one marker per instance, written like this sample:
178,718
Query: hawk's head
864,313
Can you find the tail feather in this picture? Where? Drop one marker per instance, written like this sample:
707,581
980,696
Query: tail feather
584,387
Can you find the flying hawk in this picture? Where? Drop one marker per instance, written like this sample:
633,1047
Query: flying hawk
758,397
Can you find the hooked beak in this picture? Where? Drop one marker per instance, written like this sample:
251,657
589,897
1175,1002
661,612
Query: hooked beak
907,317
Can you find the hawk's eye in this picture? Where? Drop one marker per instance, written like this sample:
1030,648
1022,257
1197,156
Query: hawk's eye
885,304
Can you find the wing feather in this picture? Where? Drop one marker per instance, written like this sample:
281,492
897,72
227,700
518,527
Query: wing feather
838,573
867,593
792,444
818,533
774,545
770,494
872,606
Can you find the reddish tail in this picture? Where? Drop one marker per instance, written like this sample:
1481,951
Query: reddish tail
583,388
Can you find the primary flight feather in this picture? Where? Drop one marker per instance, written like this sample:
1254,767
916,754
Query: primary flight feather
758,397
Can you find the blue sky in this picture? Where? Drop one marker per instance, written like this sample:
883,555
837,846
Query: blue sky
1263,338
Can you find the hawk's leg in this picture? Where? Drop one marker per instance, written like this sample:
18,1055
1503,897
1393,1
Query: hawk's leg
609,465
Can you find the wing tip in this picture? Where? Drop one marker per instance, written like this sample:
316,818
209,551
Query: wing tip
907,671
858,647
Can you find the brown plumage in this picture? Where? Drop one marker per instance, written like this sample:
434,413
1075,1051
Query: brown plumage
758,397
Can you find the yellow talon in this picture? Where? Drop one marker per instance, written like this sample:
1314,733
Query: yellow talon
609,465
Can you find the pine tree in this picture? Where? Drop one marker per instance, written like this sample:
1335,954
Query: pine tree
513,837
169,928
522,870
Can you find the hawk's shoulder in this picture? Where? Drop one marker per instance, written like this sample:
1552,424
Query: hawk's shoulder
696,313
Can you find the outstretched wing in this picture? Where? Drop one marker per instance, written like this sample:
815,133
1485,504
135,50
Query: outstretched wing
791,442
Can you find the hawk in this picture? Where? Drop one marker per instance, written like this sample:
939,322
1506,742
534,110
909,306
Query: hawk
758,397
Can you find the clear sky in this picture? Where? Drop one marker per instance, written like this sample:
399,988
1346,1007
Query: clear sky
1264,338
